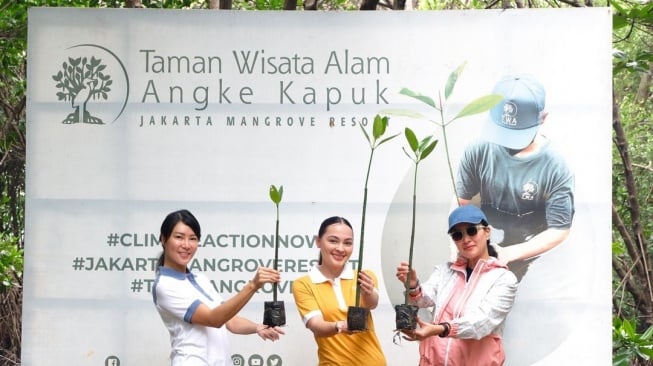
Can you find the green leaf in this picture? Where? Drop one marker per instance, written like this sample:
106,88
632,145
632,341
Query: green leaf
276,194
427,151
411,138
647,334
618,249
379,126
420,97
628,329
645,352
619,21
451,82
424,142
387,139
617,6
480,105
621,359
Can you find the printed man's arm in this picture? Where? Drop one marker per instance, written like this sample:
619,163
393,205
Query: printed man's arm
537,245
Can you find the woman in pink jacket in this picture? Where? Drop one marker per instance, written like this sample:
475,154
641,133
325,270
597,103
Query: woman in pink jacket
471,298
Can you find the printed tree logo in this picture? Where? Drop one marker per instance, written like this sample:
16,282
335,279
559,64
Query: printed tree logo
80,81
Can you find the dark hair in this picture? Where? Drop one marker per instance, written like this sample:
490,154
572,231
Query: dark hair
490,249
169,223
328,222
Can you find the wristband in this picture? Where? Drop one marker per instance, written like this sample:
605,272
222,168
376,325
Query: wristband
447,328
416,286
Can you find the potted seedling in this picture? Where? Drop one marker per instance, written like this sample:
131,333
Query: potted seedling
274,312
406,314
357,315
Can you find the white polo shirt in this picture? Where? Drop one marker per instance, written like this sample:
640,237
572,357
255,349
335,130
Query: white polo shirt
176,296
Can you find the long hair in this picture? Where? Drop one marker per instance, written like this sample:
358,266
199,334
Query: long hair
491,251
328,222
168,224
490,248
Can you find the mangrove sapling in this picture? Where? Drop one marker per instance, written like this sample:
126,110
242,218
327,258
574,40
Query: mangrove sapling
423,148
405,314
357,315
274,312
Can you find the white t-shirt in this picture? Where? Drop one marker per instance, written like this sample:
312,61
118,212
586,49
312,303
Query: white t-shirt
176,296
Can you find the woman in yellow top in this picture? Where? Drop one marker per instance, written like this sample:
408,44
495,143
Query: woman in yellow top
324,295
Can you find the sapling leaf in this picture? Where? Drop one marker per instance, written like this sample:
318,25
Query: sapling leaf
423,144
411,138
427,151
379,126
387,139
479,105
451,82
276,194
422,98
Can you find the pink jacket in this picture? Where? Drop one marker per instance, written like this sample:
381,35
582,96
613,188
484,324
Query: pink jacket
476,310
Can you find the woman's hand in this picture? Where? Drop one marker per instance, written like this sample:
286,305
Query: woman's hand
341,326
366,284
402,274
271,333
265,275
424,330
369,295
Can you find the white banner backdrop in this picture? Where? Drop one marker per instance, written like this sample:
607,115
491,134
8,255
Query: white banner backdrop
135,113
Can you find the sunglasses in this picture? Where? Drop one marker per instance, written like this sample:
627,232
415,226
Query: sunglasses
471,231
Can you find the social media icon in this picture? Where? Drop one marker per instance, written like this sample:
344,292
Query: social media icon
274,360
255,360
112,361
238,360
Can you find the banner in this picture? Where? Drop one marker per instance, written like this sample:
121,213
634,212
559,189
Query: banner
133,114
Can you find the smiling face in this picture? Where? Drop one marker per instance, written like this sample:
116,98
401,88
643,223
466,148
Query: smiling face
180,247
471,247
336,245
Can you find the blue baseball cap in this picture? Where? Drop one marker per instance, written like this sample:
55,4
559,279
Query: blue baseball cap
513,122
469,214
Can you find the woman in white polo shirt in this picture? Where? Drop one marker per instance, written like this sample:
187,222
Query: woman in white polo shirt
195,315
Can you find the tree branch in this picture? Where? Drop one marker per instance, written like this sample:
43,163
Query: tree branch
633,205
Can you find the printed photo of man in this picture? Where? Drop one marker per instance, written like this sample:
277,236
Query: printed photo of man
522,184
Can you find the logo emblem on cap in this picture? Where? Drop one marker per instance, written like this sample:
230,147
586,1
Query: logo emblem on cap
509,116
